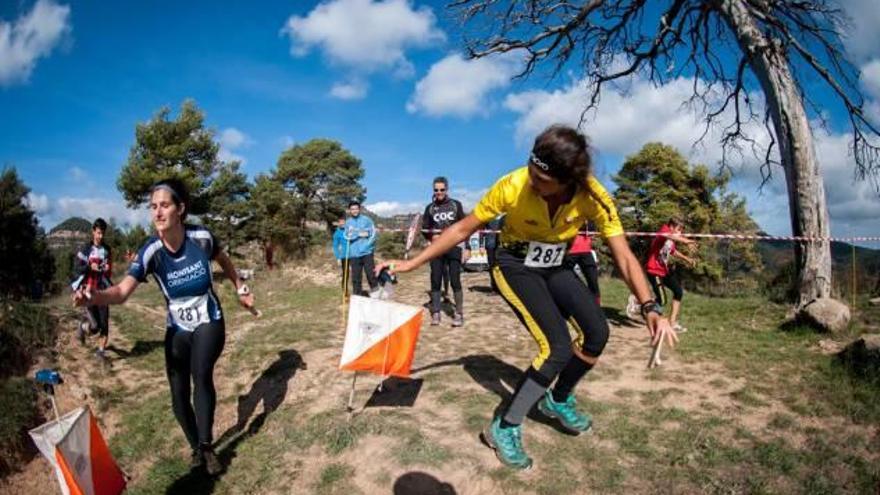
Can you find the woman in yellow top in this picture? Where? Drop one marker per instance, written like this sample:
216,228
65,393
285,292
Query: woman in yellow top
545,203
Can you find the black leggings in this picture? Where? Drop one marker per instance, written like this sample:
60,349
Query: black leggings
588,267
191,356
452,259
546,300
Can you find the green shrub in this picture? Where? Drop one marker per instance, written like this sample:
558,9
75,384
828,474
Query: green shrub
391,244
25,328
17,415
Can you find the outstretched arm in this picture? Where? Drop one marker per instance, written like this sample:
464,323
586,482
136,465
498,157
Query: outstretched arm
679,238
117,294
450,237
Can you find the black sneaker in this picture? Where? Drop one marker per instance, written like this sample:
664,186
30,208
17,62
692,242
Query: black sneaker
212,464
195,459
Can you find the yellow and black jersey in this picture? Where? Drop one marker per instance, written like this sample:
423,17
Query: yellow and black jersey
528,217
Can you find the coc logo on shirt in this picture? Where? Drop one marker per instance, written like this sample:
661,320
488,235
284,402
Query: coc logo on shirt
444,216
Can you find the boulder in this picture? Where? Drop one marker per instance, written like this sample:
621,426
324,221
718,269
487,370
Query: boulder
874,301
825,314
862,357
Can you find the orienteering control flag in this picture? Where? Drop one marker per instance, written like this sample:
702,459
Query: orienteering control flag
79,455
380,337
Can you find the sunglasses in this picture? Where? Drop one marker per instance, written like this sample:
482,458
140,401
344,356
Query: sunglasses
439,190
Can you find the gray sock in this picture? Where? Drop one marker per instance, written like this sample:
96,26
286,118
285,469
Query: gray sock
435,301
522,402
459,302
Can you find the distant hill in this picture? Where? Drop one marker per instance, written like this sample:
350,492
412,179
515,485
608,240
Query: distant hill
395,221
69,233
73,224
778,254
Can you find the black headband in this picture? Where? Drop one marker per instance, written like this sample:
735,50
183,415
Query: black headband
540,163
166,187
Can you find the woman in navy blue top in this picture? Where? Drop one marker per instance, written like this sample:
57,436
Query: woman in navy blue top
179,259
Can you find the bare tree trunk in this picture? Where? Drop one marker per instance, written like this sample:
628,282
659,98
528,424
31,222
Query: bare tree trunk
806,190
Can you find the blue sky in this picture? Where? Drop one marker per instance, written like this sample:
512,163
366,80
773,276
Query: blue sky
385,78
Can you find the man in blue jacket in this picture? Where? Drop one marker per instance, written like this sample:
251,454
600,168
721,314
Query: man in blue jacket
360,233
340,250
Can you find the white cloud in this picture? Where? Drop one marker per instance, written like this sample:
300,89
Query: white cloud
388,208
232,139
626,120
355,89
862,38
458,87
870,77
848,200
870,80
468,198
364,36
38,203
53,211
30,37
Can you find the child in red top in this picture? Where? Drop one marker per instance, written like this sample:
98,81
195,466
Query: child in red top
94,265
581,255
659,274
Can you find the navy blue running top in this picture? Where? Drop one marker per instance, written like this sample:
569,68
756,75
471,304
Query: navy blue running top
184,277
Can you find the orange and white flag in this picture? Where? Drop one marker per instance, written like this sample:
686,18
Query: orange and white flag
77,451
380,337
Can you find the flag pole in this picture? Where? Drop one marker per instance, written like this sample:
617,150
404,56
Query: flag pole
384,365
655,354
345,317
351,394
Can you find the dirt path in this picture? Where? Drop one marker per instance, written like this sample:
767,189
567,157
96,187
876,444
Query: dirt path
416,437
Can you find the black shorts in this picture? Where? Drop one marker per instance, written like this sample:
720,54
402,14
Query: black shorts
671,282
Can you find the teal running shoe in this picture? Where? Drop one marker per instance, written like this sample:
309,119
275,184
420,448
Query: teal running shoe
566,412
507,443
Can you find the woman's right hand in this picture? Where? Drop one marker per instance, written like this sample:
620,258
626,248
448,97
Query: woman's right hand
394,266
659,329
81,297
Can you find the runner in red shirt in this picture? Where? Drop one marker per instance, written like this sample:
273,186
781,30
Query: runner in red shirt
581,255
659,273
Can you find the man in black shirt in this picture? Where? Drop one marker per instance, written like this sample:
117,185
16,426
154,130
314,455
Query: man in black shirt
442,212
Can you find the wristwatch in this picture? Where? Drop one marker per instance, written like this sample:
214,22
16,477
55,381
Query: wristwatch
651,306
243,290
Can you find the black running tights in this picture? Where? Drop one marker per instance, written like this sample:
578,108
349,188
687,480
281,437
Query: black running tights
190,358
